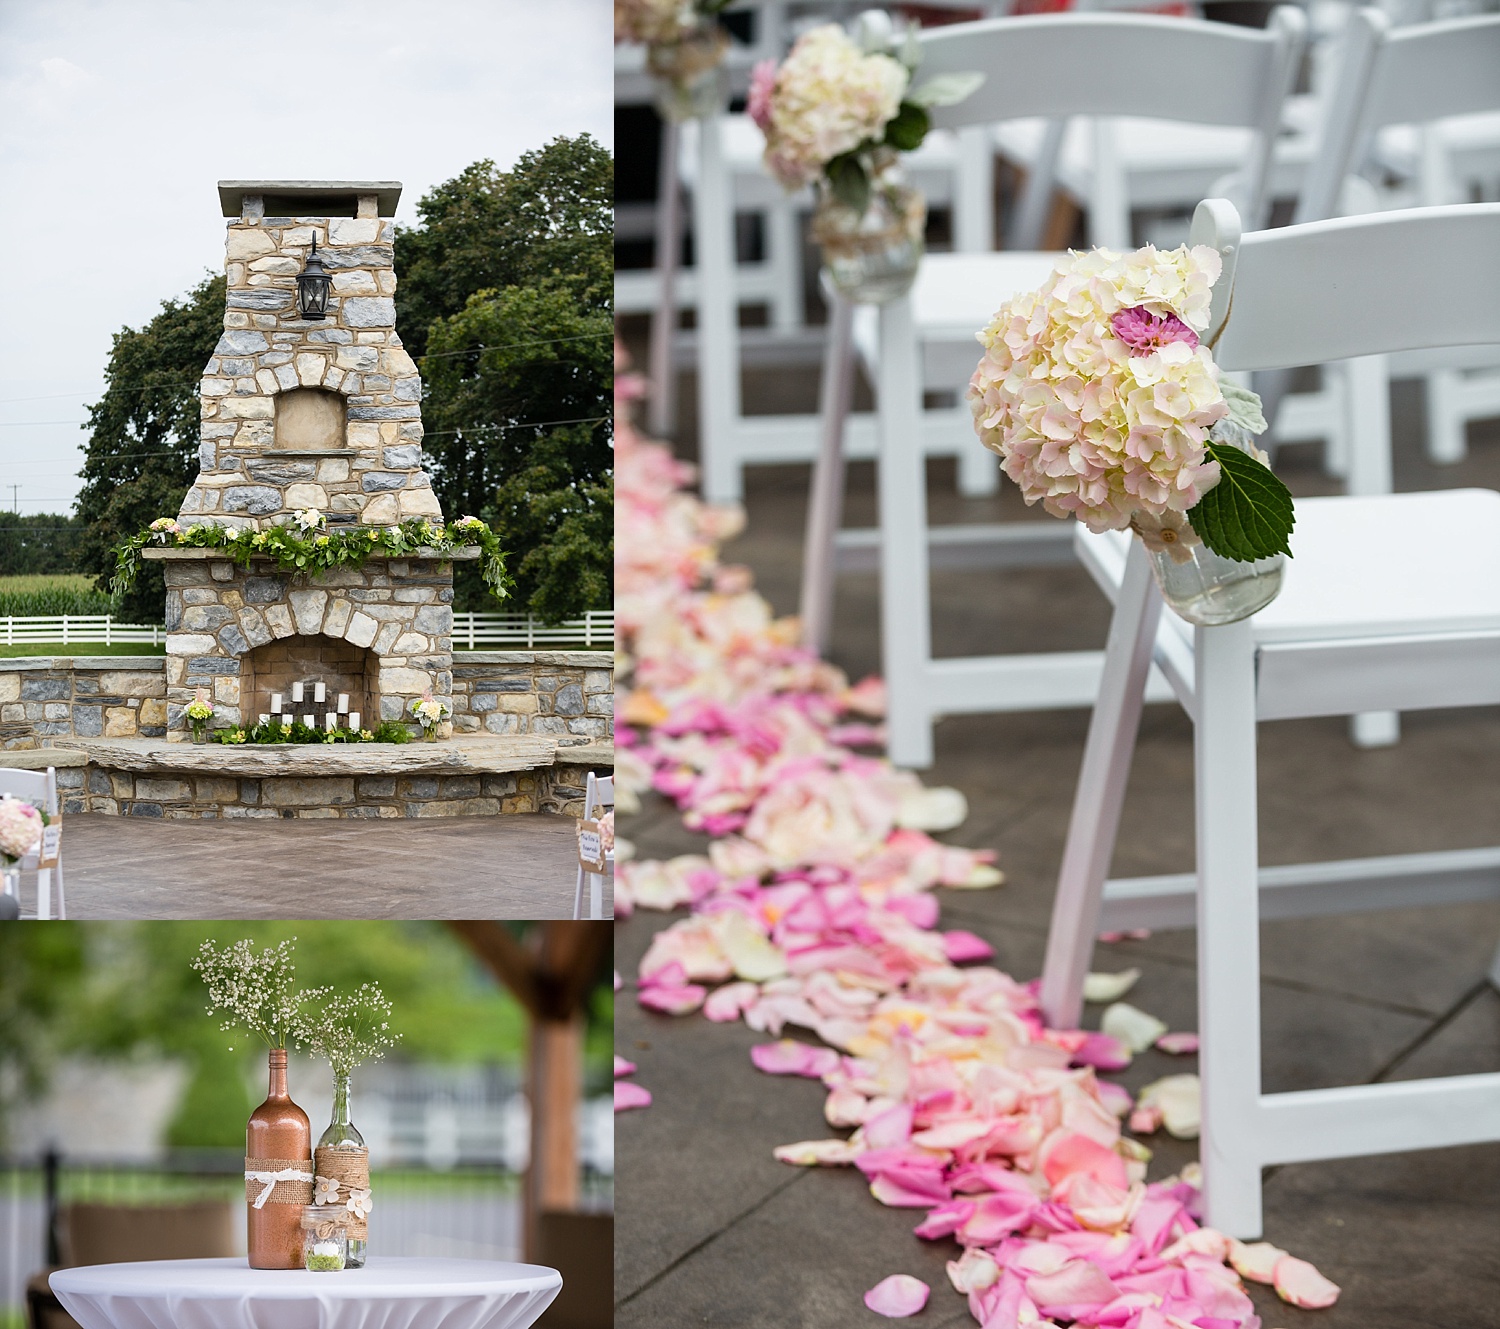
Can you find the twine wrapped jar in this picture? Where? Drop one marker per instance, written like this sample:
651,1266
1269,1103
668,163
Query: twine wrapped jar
325,1238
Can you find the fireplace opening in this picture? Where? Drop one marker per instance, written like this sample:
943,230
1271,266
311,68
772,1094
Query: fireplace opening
342,667
310,420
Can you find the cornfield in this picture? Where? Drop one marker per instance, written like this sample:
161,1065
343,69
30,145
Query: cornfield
46,595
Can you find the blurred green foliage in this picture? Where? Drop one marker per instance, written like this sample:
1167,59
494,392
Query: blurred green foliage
126,991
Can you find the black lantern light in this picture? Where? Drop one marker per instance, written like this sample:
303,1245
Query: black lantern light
312,286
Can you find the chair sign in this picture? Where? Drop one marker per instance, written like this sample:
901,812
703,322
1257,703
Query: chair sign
51,848
590,846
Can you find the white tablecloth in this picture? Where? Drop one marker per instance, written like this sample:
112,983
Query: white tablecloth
386,1294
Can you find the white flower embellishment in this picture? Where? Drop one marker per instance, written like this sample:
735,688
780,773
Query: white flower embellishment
360,1203
326,1191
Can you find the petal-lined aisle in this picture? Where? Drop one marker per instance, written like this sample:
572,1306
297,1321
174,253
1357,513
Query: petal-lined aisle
813,911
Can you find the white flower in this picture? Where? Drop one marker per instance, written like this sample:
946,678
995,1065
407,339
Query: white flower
326,1191
348,1029
309,519
359,1202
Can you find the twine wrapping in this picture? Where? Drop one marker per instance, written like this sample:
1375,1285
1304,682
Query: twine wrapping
323,1226
349,1170
278,1181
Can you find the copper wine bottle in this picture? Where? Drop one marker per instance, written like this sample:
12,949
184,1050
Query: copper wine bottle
278,1128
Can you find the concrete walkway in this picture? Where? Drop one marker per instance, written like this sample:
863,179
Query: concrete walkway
517,866
714,1231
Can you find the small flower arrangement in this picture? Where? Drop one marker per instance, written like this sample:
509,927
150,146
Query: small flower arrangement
277,730
308,550
254,990
839,110
21,826
685,44
430,713
1103,404
309,519
199,712
348,1029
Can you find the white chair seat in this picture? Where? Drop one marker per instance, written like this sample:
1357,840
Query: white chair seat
1348,579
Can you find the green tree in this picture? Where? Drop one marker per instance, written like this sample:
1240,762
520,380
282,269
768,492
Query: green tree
143,437
506,291
38,542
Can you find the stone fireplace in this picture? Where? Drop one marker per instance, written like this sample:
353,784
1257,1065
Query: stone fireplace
297,414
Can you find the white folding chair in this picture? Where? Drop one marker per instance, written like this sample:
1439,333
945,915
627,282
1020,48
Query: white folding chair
1392,602
39,788
1410,80
599,794
1223,75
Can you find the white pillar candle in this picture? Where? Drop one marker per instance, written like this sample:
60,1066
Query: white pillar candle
343,703
319,693
276,703
354,721
309,721
296,692
328,720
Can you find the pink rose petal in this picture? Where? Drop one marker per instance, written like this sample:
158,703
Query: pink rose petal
673,1000
730,1001
789,1057
628,1095
1298,1282
898,1296
623,1067
961,947
1178,1044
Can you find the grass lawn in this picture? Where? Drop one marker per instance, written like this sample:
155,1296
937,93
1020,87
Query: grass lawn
55,648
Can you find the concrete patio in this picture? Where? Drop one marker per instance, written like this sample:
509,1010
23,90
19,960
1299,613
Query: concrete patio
714,1231
516,866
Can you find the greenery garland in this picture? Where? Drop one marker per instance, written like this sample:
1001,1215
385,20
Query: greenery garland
275,730
303,546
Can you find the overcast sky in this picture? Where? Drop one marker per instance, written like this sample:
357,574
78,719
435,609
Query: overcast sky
117,117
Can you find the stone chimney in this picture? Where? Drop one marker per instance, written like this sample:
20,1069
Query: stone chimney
302,413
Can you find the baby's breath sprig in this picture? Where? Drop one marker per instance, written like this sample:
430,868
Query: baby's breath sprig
349,1029
255,990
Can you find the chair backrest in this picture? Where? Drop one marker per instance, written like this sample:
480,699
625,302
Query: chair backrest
1385,77
1352,286
38,788
600,793
112,1233
1058,65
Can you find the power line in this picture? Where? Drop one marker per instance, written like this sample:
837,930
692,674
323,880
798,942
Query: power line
170,380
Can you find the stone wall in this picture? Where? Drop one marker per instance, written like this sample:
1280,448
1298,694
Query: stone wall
534,692
185,797
44,700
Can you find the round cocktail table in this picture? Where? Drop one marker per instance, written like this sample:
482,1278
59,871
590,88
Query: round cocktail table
387,1293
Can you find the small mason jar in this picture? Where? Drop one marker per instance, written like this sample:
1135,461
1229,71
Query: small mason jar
872,256
1210,590
325,1239
691,81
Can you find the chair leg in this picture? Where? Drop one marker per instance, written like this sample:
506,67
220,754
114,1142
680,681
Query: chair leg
905,609
1447,438
44,893
718,335
1228,927
62,903
826,500
784,254
578,896
1101,793
596,895
663,403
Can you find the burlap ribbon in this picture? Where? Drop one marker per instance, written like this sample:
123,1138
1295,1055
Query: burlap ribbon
278,1181
350,1169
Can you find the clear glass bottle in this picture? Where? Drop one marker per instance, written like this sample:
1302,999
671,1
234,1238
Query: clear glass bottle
1208,589
873,256
325,1239
341,1134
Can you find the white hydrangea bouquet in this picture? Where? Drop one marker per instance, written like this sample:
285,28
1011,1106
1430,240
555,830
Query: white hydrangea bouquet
20,829
1104,405
837,112
685,46
430,713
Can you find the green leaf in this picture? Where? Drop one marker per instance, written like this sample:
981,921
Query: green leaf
1244,406
850,184
1248,514
945,89
908,128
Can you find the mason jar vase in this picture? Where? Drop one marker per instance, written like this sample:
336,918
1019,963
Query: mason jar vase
691,81
1210,590
872,255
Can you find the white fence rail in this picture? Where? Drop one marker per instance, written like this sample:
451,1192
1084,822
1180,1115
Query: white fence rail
471,631
596,629
81,628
